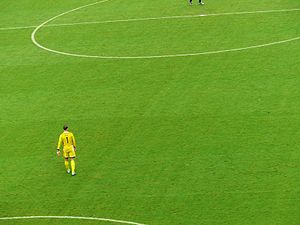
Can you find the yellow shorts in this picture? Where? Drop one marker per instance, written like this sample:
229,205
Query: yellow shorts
69,153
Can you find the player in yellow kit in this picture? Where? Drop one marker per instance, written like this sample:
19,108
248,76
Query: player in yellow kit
67,139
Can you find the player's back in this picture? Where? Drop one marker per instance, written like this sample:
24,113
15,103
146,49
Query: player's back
67,139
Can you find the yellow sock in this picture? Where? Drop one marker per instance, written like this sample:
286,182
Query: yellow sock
67,164
73,165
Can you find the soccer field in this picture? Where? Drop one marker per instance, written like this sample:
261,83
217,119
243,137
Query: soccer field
183,115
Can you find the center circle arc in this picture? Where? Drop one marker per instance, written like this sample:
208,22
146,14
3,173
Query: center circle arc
71,217
33,38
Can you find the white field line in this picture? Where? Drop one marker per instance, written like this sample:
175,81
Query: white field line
55,17
70,217
170,56
173,17
16,28
148,18
33,38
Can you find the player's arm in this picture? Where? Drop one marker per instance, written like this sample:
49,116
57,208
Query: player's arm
74,142
58,145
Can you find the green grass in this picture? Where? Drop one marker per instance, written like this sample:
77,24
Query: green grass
203,140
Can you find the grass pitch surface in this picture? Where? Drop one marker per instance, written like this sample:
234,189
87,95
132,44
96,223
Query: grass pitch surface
209,140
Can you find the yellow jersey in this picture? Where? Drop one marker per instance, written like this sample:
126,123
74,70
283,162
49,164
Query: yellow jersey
67,139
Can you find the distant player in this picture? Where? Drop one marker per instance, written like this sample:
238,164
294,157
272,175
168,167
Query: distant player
67,139
200,2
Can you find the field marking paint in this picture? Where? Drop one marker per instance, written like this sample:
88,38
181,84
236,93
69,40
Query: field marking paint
16,28
173,17
33,38
150,18
70,217
169,56
55,17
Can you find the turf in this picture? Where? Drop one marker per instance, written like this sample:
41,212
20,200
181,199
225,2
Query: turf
200,140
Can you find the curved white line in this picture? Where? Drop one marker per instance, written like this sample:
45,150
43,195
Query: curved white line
169,56
70,217
142,19
55,17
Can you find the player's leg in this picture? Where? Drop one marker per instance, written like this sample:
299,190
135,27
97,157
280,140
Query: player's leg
201,3
191,2
67,164
72,161
66,157
72,155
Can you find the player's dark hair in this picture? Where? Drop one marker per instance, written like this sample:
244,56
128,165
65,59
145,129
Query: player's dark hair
65,127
